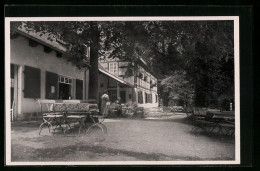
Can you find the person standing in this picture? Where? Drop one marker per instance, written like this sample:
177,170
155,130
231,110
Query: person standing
105,102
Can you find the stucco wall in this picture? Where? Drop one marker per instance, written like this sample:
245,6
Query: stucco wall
147,105
22,54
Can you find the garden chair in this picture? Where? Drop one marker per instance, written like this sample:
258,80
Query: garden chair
76,114
54,114
201,123
227,128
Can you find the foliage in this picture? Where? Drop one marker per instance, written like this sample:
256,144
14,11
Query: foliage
203,49
176,87
193,60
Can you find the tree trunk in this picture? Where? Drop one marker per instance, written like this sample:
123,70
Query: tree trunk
93,74
200,96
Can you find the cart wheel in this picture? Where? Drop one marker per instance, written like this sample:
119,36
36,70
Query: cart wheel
97,132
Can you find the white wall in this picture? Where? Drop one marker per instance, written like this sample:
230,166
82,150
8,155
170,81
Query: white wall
22,54
147,105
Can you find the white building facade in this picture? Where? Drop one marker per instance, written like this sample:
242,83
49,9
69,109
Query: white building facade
141,85
39,72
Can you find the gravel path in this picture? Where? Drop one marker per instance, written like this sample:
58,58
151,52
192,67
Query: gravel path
165,138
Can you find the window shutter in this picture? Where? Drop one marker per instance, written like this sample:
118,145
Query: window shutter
146,98
79,89
12,70
51,85
32,82
140,97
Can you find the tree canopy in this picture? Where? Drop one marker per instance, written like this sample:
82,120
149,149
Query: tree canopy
203,49
194,60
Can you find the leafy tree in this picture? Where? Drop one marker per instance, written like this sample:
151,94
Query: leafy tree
194,55
110,39
203,49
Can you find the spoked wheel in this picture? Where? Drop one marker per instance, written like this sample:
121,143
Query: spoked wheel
97,132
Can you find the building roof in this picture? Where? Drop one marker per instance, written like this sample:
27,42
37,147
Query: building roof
59,47
42,38
104,71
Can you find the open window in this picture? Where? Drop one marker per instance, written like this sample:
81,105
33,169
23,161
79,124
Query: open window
65,84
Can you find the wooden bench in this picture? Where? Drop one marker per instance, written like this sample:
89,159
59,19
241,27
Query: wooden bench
177,109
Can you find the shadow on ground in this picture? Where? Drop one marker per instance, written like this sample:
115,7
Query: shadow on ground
154,138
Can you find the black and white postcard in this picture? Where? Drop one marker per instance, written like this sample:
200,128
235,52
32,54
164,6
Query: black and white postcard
159,90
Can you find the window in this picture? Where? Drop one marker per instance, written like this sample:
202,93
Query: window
113,68
65,84
65,80
140,97
32,82
145,78
148,98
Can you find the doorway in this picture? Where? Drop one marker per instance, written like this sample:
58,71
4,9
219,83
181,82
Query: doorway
64,91
65,84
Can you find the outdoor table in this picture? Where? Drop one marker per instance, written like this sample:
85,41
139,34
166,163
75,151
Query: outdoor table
219,116
224,120
63,115
75,118
50,118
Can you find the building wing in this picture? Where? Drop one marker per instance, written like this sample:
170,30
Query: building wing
104,71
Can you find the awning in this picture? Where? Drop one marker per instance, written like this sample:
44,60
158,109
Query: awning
114,77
